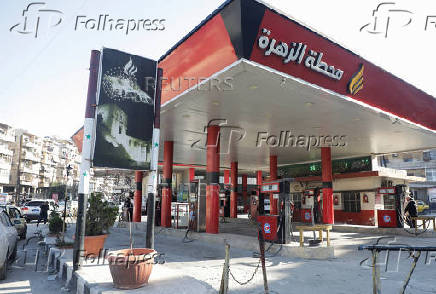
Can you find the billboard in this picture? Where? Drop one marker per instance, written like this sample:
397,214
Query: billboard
125,111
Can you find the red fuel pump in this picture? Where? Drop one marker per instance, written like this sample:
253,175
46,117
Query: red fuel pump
277,228
391,216
311,206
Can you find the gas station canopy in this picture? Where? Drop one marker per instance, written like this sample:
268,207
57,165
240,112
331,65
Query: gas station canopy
277,87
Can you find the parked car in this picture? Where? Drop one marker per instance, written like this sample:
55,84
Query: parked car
8,243
17,219
31,209
422,206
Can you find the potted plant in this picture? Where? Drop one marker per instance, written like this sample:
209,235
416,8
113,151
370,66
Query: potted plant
100,216
131,268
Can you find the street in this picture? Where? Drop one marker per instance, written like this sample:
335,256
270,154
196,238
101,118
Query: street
23,279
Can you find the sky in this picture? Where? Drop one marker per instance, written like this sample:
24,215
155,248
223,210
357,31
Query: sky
43,80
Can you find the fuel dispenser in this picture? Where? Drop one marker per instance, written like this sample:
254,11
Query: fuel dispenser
391,216
311,206
307,203
197,200
277,228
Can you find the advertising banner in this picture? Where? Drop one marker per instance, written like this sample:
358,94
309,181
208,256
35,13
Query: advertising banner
125,111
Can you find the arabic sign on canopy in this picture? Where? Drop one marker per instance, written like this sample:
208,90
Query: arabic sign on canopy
125,111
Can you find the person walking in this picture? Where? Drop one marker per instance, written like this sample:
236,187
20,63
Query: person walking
128,205
411,211
43,213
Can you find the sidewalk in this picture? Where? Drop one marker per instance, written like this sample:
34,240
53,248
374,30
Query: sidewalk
196,267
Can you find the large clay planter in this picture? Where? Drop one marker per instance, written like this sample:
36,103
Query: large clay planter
131,270
94,244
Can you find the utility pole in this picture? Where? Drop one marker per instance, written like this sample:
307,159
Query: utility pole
17,186
68,168
85,165
154,172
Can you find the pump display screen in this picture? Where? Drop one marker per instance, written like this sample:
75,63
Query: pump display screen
386,190
273,187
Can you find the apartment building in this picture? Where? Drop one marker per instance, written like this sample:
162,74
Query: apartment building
50,159
26,162
69,159
421,164
32,165
7,141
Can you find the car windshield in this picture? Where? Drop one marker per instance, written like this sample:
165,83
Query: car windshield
35,203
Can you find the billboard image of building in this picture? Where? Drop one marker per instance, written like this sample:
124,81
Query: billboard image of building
125,111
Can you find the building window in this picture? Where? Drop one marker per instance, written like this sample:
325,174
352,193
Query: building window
351,201
431,175
407,158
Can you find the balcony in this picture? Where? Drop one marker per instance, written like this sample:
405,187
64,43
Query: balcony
4,179
30,170
29,144
5,165
44,184
47,173
31,156
7,137
6,151
26,181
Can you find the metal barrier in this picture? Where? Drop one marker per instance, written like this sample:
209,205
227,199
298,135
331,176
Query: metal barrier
415,253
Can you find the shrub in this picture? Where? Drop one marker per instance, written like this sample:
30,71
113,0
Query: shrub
55,223
100,216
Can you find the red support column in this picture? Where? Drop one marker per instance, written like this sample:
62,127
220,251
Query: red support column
244,193
212,179
233,190
167,184
137,200
226,177
328,213
191,174
259,178
273,176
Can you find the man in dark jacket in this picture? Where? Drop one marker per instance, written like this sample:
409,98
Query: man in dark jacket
43,213
411,211
129,206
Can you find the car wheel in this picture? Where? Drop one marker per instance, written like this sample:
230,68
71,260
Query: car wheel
4,269
27,220
14,254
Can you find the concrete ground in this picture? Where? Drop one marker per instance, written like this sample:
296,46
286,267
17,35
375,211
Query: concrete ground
197,266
